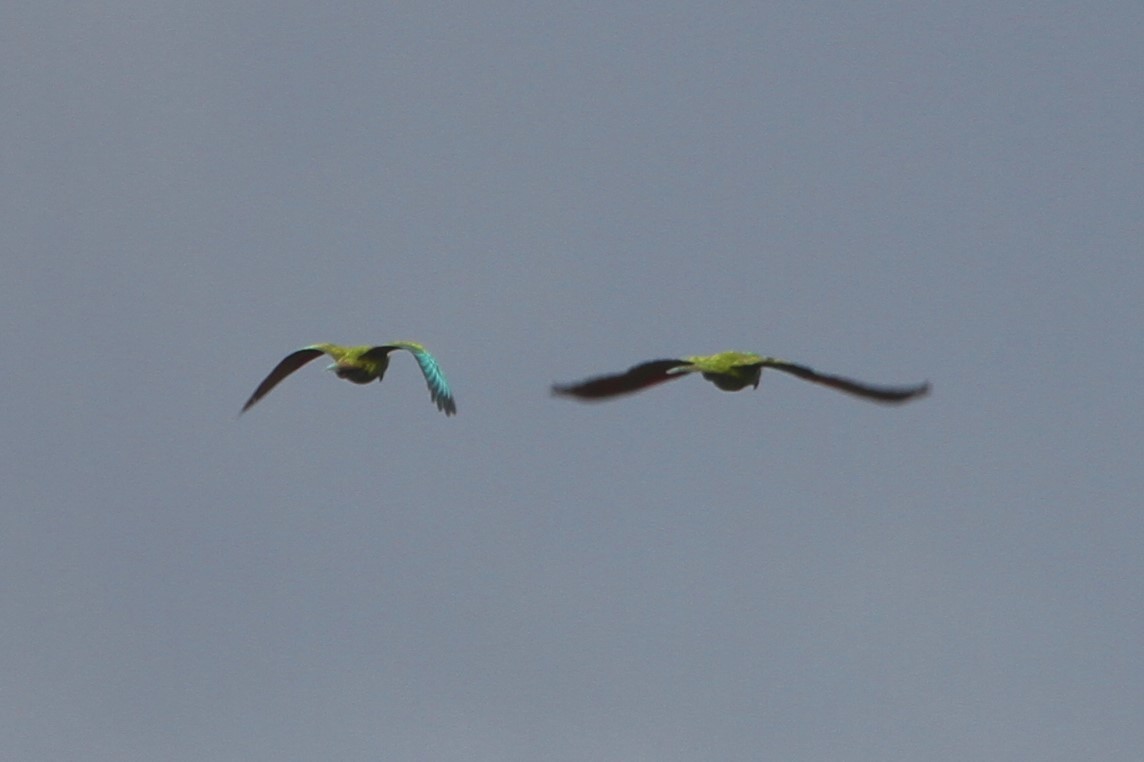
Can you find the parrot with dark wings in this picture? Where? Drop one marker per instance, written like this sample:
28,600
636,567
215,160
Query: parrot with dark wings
731,372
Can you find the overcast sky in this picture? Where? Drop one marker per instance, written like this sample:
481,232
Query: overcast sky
541,192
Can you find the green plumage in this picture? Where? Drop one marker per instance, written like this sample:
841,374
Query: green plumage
729,371
361,365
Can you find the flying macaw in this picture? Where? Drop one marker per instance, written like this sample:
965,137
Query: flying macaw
361,365
730,371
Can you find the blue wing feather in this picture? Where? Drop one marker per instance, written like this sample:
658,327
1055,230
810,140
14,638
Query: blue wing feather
439,390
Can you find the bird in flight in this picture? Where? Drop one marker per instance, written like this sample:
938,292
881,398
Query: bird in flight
361,365
730,371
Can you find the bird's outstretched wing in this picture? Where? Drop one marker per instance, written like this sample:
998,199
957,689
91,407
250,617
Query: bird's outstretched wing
289,364
889,394
439,390
632,380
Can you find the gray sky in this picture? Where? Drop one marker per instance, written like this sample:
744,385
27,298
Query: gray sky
541,192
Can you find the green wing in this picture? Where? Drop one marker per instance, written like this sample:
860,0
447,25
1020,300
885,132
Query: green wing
632,380
888,394
439,390
289,364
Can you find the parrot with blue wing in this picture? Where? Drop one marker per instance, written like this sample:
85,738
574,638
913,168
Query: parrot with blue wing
361,365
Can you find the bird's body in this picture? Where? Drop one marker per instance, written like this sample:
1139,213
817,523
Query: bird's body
729,371
355,364
361,365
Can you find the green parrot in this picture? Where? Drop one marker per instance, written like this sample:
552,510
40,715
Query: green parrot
730,371
361,365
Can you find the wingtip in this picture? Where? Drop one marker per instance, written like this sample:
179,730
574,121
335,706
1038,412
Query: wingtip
914,393
444,402
571,391
920,390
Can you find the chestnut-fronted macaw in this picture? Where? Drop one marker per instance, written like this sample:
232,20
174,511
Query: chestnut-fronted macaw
361,365
730,371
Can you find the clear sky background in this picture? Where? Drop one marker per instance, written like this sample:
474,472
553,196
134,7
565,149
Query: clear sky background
541,192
